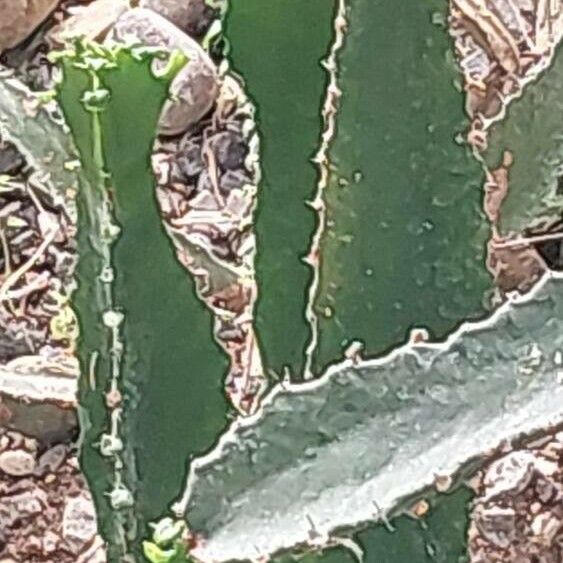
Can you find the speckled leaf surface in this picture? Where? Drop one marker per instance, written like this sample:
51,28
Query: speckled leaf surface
422,411
405,236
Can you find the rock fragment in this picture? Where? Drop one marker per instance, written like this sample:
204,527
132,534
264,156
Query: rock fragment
11,161
46,517
51,460
193,17
19,18
17,463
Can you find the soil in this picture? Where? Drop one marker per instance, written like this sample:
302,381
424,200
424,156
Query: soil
518,515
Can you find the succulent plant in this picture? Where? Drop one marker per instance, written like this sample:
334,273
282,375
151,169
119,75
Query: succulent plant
380,240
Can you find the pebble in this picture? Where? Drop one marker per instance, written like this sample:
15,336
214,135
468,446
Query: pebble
79,522
195,88
4,443
189,157
193,17
233,180
230,150
17,463
30,444
21,505
50,542
51,460
420,509
19,18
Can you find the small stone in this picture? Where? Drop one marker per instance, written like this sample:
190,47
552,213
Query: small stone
96,553
50,542
16,440
30,445
204,182
110,445
230,150
497,525
547,491
189,157
193,93
4,443
419,335
194,17
354,350
443,483
113,398
121,497
89,21
17,463
21,505
51,460
112,319
233,180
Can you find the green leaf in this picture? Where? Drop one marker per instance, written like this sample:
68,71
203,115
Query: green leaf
171,369
288,40
371,438
532,132
404,243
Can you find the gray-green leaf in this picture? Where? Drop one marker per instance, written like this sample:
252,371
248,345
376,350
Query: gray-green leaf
332,453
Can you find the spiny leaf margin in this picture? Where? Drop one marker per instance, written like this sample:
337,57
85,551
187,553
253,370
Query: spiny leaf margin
367,439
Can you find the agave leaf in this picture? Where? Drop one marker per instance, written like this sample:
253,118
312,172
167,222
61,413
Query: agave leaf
436,537
279,61
171,369
531,131
368,439
405,235
38,131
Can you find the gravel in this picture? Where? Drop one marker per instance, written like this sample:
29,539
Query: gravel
518,514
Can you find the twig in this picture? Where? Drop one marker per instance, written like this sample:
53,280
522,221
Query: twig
528,241
16,274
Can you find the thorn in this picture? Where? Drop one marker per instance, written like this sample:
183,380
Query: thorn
382,516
